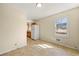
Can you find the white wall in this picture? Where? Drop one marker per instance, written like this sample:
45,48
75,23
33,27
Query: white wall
12,28
47,28
29,22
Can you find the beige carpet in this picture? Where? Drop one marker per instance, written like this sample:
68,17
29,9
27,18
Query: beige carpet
49,51
42,48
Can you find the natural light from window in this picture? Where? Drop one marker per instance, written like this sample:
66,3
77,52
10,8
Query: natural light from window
44,46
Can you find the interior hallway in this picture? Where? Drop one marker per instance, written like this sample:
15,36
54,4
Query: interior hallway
42,48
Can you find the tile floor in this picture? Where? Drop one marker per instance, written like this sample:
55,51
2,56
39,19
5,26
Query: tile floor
42,48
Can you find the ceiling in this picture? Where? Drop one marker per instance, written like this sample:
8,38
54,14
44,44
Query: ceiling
47,9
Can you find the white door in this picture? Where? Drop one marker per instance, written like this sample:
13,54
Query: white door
35,32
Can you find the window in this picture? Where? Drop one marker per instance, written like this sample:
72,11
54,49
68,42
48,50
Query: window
61,25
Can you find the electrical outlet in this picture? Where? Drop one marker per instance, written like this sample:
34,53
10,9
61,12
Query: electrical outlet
58,39
15,44
76,47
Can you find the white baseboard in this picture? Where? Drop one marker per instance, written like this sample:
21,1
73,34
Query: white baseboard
3,52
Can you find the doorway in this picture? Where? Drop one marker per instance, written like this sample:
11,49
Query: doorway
29,30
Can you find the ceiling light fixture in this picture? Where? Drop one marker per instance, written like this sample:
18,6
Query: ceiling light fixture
38,5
